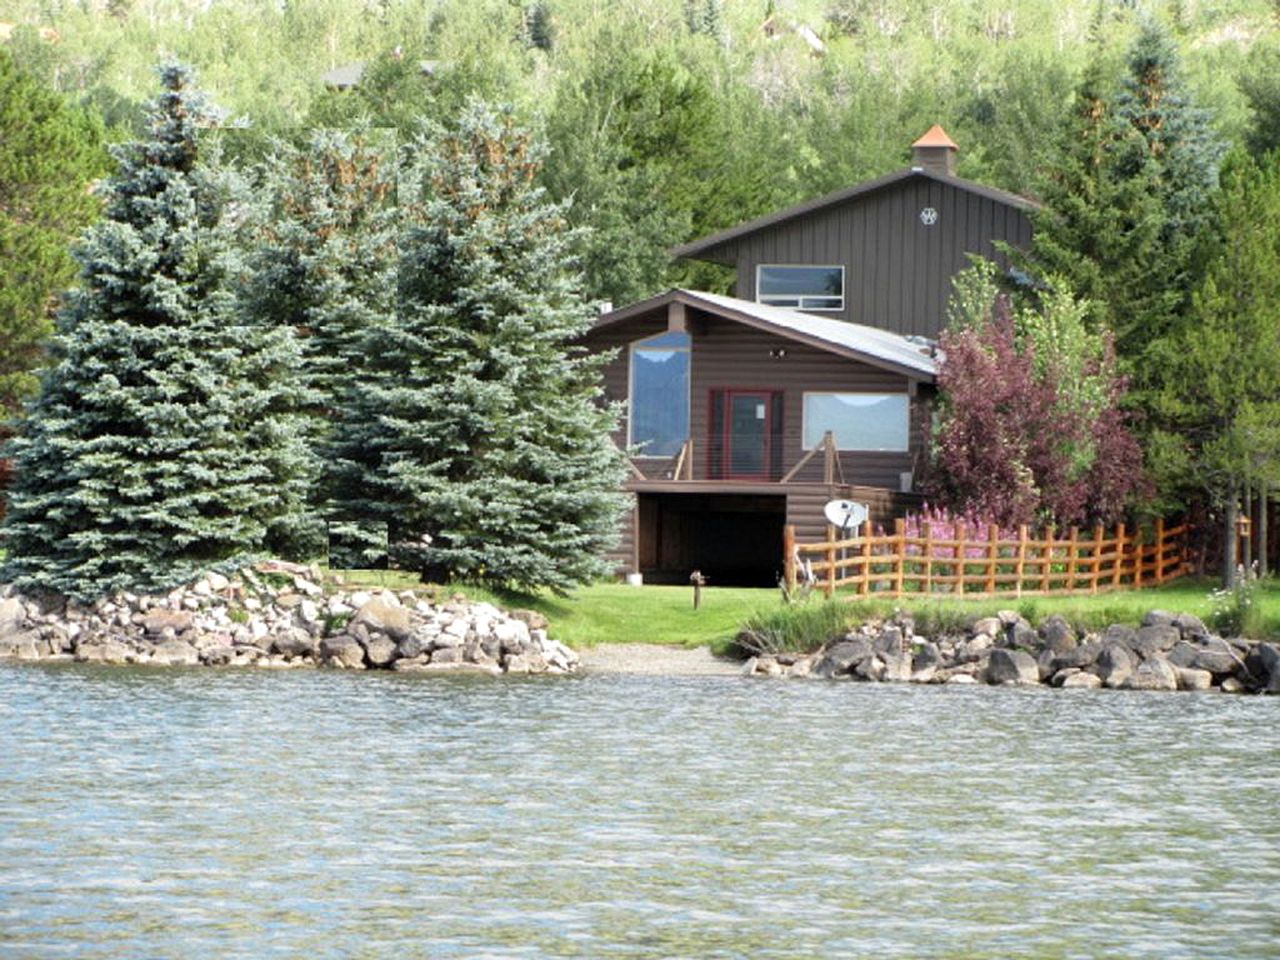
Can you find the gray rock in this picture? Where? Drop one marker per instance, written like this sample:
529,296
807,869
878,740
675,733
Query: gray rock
342,651
411,664
380,651
466,669
1156,638
411,647
1084,655
1083,680
159,620
1217,656
870,668
987,627
925,674
928,655
1233,685
1114,664
106,651
1153,674
959,678
1191,679
843,656
383,616
897,667
803,667
1011,666
889,641
1057,634
446,655
1262,668
175,653
295,642
517,663
1191,627
1045,664
1183,654
1119,633
1159,618
12,616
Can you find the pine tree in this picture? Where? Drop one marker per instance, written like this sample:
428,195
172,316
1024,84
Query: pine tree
1219,409
1125,205
49,154
324,267
479,436
156,447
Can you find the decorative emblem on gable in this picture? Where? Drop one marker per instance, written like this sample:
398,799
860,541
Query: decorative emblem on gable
929,216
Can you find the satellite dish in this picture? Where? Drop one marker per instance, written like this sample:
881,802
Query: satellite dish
845,514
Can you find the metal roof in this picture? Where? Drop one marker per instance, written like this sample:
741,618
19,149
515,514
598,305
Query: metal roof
696,248
853,340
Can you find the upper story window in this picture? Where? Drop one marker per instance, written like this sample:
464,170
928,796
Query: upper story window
858,421
805,287
659,408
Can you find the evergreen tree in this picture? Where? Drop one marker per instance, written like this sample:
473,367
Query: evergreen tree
1219,409
479,435
49,155
324,268
156,448
1125,205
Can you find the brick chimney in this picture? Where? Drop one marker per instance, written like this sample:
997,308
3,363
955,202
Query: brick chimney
935,153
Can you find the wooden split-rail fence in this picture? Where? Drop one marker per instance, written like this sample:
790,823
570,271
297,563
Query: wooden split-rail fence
924,563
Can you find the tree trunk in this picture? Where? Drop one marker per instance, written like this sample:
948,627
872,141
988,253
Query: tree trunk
1229,540
1264,506
1246,544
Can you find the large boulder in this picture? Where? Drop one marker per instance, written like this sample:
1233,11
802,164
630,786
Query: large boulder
889,641
295,642
1012,666
384,615
161,622
1081,680
841,657
1084,655
1156,638
175,653
1057,635
1191,627
342,651
1114,665
1191,679
380,651
1217,656
1262,668
13,615
1155,673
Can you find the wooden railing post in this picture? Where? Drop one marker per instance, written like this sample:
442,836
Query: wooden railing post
828,466
900,534
1020,568
830,587
928,557
1046,565
1096,571
789,557
993,554
1160,547
1119,555
864,589
1073,553
960,542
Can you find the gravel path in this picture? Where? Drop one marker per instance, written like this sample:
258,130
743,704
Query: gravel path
650,658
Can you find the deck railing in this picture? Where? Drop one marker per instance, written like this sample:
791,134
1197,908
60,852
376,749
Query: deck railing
896,565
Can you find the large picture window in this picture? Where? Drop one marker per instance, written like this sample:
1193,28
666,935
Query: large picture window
660,394
805,287
858,421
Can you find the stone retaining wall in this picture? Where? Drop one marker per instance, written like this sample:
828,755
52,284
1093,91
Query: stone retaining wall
1166,652
278,615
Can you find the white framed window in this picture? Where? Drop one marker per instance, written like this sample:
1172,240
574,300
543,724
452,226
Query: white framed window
659,395
858,421
806,287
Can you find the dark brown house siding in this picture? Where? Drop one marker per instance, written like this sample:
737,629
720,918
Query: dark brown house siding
730,355
897,269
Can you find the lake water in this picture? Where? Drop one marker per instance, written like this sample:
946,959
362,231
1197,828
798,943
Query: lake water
193,814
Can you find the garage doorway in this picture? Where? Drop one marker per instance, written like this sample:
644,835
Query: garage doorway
734,539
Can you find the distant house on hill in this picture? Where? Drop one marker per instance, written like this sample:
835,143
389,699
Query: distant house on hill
814,382
348,75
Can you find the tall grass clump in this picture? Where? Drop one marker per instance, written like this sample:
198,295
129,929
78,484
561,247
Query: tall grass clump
799,628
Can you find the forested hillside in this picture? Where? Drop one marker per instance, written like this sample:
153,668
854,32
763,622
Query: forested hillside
666,118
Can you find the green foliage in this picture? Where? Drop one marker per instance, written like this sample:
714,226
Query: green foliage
49,154
475,430
798,628
1235,609
1260,85
157,447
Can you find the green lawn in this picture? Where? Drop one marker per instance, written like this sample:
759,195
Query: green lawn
617,613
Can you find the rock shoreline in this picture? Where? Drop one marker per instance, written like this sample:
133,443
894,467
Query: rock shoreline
1166,652
277,615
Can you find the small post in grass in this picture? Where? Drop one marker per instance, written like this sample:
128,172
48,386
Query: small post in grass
698,580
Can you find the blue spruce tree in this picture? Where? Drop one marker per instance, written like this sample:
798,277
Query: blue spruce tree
160,444
478,434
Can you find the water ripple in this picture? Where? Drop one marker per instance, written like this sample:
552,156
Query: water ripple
242,815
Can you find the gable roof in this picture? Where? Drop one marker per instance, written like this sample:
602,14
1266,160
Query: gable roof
697,248
879,348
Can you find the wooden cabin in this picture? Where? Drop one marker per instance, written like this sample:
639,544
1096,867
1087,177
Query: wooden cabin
814,382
